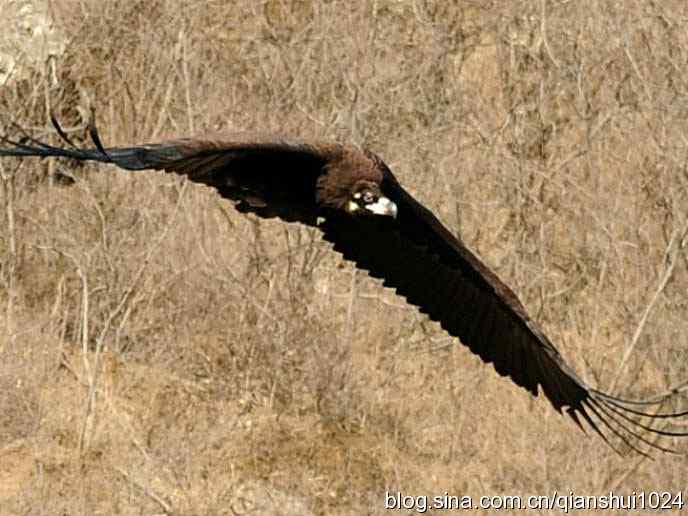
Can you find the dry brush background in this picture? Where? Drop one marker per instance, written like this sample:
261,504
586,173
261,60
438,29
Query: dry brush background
161,353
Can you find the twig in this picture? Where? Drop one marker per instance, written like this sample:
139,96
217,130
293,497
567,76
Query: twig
543,33
670,256
349,328
187,80
636,69
146,490
90,406
8,193
580,150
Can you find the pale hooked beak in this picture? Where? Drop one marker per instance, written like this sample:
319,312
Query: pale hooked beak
383,206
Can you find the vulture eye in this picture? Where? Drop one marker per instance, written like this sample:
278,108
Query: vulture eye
369,197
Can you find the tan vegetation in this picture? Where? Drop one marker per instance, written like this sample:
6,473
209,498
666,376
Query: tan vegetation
161,353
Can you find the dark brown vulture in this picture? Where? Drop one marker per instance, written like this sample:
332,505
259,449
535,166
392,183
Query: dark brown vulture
354,199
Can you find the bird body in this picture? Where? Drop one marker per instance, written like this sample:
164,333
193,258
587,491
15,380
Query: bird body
357,203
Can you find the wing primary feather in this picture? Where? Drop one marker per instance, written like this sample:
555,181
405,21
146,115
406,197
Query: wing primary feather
621,401
573,415
598,431
61,131
674,415
26,137
620,412
20,146
93,132
552,386
607,412
594,409
42,150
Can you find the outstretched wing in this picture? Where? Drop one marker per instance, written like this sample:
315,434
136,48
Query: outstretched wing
416,255
268,175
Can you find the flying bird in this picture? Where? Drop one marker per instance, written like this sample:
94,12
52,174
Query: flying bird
353,198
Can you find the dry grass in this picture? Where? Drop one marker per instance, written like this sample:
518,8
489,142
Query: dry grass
163,354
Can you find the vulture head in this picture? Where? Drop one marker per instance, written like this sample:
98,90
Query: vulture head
366,198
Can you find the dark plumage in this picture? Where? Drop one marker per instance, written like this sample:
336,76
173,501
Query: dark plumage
358,204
